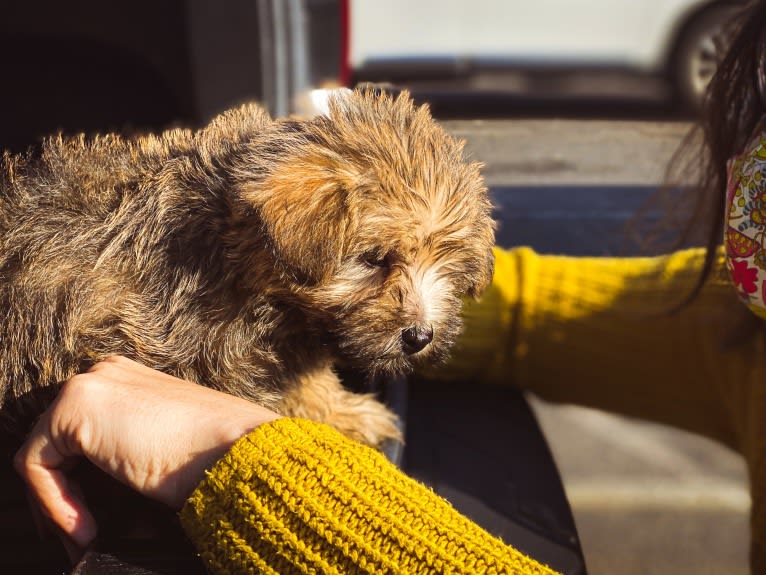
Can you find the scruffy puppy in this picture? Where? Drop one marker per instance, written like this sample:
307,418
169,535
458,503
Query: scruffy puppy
250,256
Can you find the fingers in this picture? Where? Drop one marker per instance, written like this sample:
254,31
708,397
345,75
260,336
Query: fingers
153,432
81,422
40,463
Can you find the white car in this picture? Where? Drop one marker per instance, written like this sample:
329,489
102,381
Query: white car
403,40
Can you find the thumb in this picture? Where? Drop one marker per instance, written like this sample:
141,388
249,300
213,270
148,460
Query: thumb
41,464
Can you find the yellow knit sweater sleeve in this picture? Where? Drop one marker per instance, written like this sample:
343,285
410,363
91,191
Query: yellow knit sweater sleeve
601,331
296,496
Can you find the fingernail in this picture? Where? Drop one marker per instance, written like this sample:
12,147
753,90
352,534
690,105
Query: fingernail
84,532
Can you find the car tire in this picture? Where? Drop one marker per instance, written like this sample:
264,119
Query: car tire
699,49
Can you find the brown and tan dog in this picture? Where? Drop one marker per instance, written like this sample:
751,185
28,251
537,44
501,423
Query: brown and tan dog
250,256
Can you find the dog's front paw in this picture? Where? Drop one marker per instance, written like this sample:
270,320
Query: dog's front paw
321,397
365,419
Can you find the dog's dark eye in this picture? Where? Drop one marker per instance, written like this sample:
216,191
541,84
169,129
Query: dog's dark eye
375,260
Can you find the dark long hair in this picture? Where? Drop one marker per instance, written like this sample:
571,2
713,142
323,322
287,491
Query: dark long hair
734,110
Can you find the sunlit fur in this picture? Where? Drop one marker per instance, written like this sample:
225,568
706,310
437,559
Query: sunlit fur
250,256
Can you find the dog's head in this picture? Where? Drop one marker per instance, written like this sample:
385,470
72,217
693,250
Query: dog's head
379,225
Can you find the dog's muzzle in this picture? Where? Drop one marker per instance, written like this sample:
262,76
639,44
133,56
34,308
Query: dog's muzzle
415,338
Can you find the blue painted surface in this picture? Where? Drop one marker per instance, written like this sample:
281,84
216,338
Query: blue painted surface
575,220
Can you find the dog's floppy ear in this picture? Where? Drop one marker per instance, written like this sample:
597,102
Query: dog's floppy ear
483,277
304,208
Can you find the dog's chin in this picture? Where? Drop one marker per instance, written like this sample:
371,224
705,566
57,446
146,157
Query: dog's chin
391,366
395,364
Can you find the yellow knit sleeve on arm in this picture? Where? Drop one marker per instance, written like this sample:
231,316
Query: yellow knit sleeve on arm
296,496
601,332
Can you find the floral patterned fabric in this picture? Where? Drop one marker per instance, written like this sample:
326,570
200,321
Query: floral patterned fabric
745,226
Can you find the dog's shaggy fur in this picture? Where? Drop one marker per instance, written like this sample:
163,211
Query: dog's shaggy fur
250,256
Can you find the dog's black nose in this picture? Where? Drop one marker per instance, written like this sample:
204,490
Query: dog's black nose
416,338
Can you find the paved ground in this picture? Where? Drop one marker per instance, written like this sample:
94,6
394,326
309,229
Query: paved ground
570,151
647,499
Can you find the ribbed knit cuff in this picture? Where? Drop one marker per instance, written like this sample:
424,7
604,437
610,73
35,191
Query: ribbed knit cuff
295,496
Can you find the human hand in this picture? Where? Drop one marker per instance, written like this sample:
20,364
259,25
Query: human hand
154,432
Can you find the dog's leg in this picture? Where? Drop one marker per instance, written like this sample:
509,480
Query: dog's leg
320,396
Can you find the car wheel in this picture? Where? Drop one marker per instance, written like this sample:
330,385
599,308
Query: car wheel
699,50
